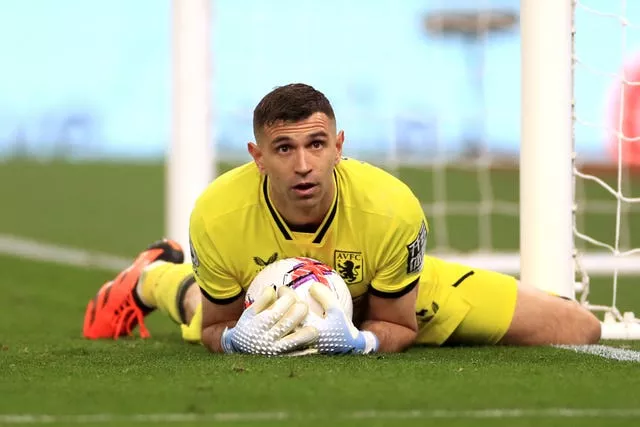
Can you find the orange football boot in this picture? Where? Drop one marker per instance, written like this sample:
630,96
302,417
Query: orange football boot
117,309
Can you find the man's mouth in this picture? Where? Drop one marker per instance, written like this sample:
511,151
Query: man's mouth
304,186
305,189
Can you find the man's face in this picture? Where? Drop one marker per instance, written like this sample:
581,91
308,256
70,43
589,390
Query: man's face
298,158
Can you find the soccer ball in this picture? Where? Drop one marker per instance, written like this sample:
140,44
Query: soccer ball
299,273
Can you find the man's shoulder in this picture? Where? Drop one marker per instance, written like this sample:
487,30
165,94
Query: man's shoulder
231,192
371,189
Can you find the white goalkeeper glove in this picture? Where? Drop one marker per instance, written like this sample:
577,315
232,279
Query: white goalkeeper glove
336,332
264,328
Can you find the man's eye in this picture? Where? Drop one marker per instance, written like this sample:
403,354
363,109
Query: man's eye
283,148
317,144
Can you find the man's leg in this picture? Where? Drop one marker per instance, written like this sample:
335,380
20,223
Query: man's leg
458,304
540,318
172,289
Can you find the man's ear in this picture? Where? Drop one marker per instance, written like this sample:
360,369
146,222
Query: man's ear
339,143
256,153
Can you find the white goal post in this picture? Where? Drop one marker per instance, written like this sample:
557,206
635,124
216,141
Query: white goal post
546,148
191,158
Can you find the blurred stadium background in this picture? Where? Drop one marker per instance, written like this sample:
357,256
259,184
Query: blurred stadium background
92,80
426,88
429,89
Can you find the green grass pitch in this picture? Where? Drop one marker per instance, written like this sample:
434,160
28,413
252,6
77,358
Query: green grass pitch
50,375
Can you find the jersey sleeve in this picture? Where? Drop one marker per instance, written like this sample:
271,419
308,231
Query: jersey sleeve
212,271
402,256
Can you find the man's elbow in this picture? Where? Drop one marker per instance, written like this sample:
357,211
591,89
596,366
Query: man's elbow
410,336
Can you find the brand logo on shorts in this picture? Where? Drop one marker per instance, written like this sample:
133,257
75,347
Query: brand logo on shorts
349,265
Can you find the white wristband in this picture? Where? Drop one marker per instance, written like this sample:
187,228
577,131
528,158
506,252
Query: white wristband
371,342
226,346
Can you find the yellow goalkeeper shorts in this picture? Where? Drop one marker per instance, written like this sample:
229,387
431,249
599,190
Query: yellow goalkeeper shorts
458,304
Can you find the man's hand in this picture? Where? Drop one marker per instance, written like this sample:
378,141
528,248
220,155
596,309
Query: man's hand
336,332
264,328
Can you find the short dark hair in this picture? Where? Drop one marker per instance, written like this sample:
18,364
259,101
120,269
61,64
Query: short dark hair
290,103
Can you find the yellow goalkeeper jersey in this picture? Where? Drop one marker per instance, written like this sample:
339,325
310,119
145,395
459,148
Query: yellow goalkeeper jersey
374,235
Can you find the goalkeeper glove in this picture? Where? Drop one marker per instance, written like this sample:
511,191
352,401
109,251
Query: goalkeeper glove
264,328
336,332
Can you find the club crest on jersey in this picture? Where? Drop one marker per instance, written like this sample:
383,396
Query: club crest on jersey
349,265
415,258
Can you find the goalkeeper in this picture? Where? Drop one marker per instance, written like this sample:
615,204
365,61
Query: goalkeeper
299,197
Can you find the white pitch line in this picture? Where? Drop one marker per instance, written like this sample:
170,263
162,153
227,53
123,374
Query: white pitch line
608,352
230,417
40,251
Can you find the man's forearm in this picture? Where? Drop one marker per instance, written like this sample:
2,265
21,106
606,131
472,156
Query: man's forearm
392,338
212,335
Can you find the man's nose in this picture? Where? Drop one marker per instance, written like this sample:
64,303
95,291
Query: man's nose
302,165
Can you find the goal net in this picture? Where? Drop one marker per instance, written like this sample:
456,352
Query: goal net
616,66
514,122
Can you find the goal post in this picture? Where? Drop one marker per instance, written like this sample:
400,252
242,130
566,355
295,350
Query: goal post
546,178
190,160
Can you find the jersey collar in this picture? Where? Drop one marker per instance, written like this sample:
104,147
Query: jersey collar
282,225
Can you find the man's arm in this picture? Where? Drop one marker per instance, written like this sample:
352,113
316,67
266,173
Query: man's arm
392,321
222,301
217,317
393,291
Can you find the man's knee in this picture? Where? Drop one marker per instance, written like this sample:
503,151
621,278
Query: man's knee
591,326
583,326
543,319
